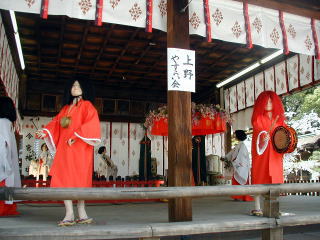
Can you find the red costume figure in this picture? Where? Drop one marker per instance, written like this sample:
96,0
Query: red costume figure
71,136
267,164
85,130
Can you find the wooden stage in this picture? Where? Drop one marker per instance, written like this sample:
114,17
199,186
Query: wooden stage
146,219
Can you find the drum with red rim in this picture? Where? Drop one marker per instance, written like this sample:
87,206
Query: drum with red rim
284,139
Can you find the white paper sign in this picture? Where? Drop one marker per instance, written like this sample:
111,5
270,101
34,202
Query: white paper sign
181,70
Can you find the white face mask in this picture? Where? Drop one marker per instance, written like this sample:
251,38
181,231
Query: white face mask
76,89
269,105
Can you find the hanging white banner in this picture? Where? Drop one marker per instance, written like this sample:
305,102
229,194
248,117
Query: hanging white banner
181,70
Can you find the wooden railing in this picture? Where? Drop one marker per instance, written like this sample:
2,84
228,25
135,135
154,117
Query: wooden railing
303,193
31,183
272,225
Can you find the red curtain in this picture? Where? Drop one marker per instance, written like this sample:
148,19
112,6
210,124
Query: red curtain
203,126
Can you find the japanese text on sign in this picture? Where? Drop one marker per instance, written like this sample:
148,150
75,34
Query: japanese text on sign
181,70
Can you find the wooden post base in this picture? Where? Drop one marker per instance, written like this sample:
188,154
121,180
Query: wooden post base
272,210
272,234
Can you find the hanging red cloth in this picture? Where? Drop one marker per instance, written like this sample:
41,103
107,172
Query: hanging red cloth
7,209
160,127
203,126
245,198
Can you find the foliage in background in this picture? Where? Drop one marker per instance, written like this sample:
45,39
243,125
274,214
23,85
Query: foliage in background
303,110
303,102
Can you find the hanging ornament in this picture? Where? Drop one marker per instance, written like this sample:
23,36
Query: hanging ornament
65,122
36,147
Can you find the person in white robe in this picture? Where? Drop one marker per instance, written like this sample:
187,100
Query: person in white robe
9,162
239,158
106,166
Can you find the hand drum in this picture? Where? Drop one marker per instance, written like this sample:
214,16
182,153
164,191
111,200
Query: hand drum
284,139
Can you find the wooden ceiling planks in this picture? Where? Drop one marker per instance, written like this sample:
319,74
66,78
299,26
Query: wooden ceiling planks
61,48
126,62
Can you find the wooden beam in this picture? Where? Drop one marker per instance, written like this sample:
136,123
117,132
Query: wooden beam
230,53
38,86
106,193
63,20
133,35
151,42
179,118
82,44
285,7
23,92
38,38
103,46
163,57
208,92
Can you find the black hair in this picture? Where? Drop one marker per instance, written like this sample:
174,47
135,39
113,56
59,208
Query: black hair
241,135
7,109
43,144
101,149
86,87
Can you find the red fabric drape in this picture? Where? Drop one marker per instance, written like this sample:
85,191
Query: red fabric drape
44,9
247,24
99,7
203,126
149,16
284,34
207,20
241,197
7,209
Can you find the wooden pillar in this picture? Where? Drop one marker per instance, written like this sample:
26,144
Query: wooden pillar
179,118
271,210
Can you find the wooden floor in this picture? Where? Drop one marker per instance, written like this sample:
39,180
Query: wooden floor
134,220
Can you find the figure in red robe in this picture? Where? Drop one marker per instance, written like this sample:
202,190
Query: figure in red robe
70,136
267,164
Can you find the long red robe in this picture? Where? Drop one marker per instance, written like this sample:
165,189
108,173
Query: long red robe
73,165
241,197
268,167
7,209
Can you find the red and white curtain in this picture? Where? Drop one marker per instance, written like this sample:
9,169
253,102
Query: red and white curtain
225,20
29,128
122,142
295,73
8,74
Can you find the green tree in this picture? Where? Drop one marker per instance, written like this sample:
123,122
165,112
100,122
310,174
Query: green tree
303,102
312,102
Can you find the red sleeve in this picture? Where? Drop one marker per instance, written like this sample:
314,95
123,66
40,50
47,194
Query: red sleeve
52,131
89,131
